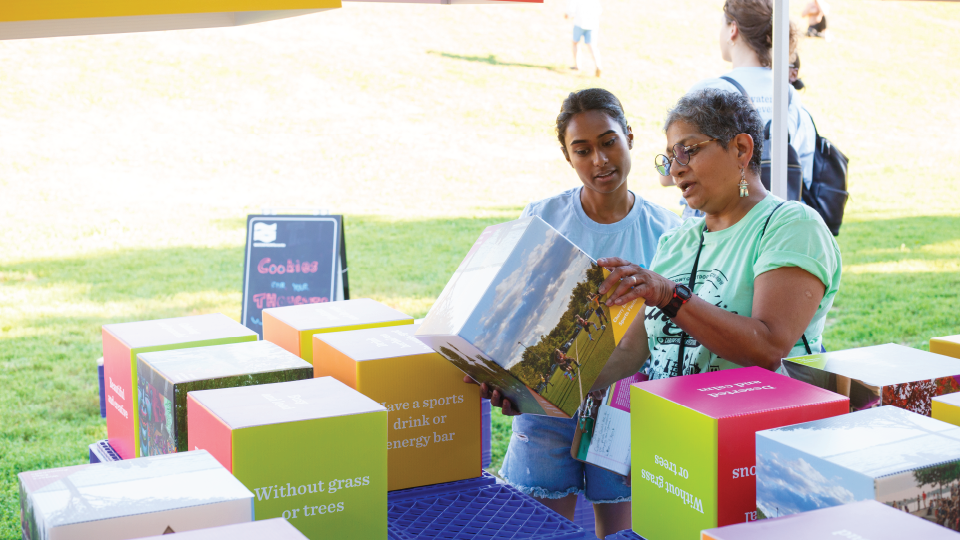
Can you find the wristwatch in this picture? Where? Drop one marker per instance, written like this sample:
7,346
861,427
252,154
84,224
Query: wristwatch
681,295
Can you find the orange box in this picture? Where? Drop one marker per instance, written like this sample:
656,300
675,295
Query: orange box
292,327
433,416
947,346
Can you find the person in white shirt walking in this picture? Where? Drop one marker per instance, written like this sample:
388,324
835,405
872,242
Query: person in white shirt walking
586,25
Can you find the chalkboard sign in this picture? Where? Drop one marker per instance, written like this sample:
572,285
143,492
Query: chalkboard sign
292,260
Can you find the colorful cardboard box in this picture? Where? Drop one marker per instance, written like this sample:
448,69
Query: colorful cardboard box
314,452
433,416
293,327
900,458
124,341
880,375
272,529
522,313
946,408
947,346
165,377
693,445
131,498
865,520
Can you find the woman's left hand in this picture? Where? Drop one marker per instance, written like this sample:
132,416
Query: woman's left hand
629,281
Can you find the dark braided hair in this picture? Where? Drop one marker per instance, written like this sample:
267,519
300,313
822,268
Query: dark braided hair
590,99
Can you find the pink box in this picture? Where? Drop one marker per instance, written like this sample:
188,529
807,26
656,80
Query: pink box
693,442
865,520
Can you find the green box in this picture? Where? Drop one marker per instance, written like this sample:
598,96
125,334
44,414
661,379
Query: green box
312,451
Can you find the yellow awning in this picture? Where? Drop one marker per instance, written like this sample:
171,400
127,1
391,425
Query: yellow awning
50,18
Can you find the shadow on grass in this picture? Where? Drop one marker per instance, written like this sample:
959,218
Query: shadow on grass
492,60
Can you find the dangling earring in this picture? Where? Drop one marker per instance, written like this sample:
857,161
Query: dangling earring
743,184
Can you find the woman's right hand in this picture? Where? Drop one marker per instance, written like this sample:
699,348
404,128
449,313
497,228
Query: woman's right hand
628,281
495,397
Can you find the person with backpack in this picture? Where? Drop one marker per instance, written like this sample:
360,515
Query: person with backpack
746,40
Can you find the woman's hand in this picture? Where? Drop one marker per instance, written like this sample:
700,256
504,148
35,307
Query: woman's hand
496,399
631,282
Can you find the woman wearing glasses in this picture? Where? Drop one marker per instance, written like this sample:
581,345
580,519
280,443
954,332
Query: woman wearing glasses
746,39
603,218
747,285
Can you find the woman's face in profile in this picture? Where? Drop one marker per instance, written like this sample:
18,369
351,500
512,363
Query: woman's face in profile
598,150
711,176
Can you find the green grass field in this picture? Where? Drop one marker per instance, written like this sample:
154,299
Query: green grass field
128,164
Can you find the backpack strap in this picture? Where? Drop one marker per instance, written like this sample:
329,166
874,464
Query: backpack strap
736,85
806,344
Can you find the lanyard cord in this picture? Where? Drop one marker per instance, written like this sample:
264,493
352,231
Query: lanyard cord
683,335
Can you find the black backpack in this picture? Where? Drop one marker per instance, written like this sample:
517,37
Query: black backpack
794,170
828,187
828,190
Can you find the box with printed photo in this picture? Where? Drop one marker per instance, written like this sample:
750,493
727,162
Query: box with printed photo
693,445
523,313
165,377
900,458
313,452
865,520
880,375
122,343
293,327
132,498
433,416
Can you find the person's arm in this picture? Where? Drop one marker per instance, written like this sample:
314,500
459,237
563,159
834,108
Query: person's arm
784,302
629,356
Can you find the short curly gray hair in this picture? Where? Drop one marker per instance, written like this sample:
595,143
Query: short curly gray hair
722,116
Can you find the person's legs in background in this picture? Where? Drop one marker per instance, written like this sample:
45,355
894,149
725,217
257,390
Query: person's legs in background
589,38
577,34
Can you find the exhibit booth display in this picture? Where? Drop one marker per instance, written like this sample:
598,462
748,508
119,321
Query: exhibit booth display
693,457
133,498
122,343
314,452
433,416
865,520
900,458
293,327
522,312
880,375
165,377
272,529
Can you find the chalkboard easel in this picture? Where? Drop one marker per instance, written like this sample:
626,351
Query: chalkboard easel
291,260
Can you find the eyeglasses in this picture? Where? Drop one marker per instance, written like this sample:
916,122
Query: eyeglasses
680,153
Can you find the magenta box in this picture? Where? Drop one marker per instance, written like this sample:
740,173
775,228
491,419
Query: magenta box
865,520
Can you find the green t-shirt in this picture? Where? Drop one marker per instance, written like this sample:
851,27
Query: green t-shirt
730,261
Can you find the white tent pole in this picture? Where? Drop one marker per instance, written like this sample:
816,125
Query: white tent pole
781,71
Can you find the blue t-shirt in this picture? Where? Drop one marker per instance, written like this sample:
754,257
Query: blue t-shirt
633,238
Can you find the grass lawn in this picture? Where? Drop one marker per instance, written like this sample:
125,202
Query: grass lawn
566,393
128,164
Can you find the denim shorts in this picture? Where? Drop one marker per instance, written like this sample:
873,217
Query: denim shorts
538,463
578,32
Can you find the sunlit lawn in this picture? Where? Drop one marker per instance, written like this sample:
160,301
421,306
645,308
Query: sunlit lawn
128,164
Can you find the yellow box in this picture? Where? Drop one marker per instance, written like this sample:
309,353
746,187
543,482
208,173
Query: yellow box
433,416
946,408
947,346
292,327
